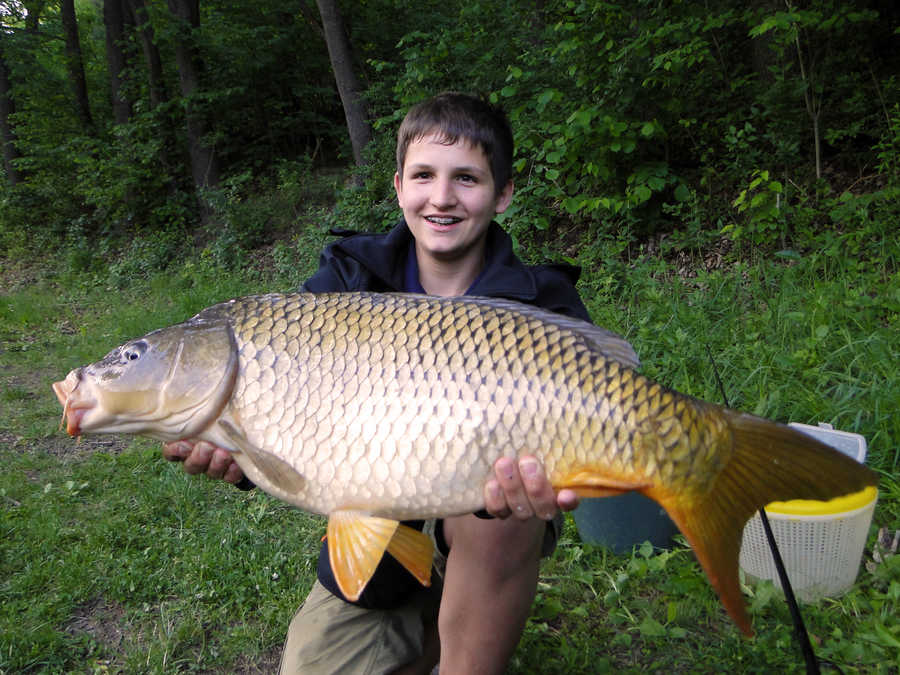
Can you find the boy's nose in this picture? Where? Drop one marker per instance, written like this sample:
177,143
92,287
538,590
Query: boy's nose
443,195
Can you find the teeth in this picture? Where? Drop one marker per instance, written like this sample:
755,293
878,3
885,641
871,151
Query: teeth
442,221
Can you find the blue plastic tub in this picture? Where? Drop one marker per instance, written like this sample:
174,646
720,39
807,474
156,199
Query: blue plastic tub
622,522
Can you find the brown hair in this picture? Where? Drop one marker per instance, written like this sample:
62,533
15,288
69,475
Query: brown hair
454,116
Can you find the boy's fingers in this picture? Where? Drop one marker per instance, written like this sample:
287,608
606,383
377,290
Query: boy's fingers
177,451
538,490
219,463
494,500
199,459
567,500
203,457
507,472
233,474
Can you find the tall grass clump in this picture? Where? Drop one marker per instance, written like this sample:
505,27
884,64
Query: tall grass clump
801,340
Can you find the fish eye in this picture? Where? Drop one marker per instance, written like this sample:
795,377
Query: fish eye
133,351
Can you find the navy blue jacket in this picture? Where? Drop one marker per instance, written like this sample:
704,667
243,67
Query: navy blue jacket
377,262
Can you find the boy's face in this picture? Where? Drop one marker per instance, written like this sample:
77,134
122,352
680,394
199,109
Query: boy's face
448,198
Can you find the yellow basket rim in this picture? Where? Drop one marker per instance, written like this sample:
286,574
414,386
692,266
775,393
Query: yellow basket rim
810,507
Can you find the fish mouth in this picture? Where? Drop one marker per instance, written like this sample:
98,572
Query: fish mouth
74,406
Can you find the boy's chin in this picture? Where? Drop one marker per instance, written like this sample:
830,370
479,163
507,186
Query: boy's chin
447,251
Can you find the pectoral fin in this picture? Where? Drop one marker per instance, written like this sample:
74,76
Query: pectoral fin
357,542
268,466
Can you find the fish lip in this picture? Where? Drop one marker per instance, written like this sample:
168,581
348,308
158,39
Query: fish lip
73,419
64,388
74,407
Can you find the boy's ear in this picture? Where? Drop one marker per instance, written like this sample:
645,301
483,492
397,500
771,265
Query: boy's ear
398,185
504,198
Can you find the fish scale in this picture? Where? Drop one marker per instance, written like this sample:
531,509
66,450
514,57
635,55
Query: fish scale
372,408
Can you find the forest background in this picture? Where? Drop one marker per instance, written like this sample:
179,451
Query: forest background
145,125
727,176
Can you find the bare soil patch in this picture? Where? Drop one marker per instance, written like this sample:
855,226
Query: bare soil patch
265,664
62,446
105,623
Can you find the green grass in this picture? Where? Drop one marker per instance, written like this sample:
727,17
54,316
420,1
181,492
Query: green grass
192,571
113,560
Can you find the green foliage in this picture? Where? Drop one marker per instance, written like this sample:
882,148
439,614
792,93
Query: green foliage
276,103
590,142
145,256
809,43
627,115
253,215
888,149
765,213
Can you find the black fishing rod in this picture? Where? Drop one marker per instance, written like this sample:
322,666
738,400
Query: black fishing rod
812,664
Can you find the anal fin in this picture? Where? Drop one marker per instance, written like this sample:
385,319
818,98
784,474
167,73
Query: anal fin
587,483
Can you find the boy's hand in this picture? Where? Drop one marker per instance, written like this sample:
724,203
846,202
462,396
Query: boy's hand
521,489
203,457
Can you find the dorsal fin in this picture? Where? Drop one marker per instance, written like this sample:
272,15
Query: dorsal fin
603,341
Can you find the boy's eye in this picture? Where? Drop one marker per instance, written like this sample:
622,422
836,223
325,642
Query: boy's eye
468,178
421,175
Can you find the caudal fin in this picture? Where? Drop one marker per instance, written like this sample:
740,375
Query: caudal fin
771,462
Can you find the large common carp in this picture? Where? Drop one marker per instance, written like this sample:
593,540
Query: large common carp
374,408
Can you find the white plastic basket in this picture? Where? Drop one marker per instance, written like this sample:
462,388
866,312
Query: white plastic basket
821,543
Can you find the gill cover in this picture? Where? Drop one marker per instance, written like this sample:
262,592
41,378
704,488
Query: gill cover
169,384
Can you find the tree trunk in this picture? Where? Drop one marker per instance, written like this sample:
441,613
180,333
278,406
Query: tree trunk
813,103
33,19
341,55
151,53
204,164
169,157
7,108
76,65
114,21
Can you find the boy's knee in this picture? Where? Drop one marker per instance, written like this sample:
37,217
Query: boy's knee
503,546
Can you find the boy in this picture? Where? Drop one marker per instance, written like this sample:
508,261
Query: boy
454,164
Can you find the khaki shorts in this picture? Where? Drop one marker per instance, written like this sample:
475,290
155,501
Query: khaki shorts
328,635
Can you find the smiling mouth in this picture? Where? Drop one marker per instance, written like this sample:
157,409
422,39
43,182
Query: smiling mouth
443,221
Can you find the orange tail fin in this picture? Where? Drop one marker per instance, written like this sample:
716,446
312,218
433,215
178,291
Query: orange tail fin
771,462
